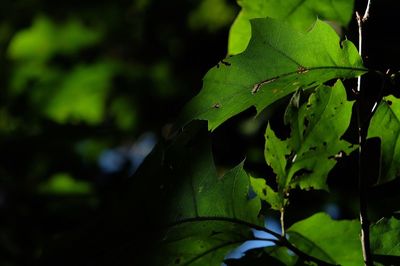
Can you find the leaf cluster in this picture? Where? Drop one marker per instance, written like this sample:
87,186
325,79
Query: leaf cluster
287,53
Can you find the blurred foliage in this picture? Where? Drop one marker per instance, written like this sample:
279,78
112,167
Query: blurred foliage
86,89
63,183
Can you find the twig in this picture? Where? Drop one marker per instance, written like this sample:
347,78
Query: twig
282,220
363,186
280,240
366,12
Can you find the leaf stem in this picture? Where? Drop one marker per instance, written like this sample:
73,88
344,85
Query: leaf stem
362,181
282,220
280,240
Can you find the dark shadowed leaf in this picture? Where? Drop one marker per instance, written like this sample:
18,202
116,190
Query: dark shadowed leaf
387,117
255,257
385,235
209,215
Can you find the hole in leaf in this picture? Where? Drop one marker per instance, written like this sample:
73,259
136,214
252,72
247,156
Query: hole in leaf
389,102
264,191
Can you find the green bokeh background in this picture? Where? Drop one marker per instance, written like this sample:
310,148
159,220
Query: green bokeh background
79,79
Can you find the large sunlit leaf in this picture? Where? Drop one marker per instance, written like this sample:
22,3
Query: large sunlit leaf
385,124
278,61
209,216
333,241
299,13
315,143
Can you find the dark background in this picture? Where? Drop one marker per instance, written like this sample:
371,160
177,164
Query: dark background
87,88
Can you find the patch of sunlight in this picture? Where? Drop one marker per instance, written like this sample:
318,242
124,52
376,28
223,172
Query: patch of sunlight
162,78
124,113
211,15
63,184
89,149
46,38
81,97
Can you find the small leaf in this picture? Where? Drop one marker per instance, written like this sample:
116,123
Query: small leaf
299,13
385,235
278,61
387,117
276,152
327,239
265,192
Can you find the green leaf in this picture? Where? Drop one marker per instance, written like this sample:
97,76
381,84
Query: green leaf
385,235
45,38
283,255
387,117
65,184
81,96
306,158
299,13
327,239
265,192
278,61
211,216
276,152
211,15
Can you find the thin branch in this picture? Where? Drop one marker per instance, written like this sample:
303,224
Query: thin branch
359,22
280,241
211,250
364,221
366,12
226,219
302,255
282,220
